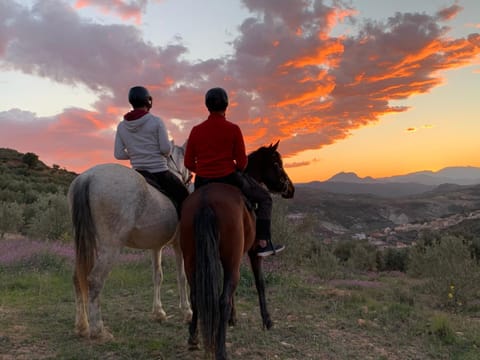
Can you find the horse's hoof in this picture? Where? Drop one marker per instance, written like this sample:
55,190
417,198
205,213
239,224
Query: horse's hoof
187,316
82,332
102,336
193,345
159,315
267,324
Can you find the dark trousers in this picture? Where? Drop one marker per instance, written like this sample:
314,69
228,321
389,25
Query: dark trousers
254,192
168,184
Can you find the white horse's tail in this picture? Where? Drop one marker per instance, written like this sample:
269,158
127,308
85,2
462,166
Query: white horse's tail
84,232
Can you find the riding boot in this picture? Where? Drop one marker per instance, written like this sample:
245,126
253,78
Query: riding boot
263,233
178,207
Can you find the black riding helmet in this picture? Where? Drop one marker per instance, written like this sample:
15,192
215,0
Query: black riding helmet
138,96
216,99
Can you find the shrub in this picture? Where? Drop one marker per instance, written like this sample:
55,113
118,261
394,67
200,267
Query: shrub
50,219
440,327
363,257
451,274
324,262
343,250
282,227
392,259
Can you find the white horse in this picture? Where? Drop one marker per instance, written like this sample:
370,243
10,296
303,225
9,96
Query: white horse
113,206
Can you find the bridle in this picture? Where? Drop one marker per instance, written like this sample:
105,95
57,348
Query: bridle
286,183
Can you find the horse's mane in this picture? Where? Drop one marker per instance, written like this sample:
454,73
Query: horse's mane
259,152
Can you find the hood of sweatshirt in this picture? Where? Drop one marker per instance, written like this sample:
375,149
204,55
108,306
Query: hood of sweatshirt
135,119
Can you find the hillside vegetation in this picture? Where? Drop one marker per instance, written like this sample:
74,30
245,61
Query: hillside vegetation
23,177
32,196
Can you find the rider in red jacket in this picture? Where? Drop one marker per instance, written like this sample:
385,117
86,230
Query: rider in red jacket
216,153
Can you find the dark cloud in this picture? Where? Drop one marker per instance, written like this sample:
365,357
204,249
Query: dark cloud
449,12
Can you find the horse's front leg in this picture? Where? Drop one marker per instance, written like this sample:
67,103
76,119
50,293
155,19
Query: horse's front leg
182,282
157,310
256,263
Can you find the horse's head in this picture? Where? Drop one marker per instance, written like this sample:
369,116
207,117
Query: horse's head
176,165
266,166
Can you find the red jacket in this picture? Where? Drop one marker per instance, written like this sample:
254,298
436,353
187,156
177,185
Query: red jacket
215,148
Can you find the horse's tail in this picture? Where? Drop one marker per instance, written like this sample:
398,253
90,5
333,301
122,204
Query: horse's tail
84,233
207,275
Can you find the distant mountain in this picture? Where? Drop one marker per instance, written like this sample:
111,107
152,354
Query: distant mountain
466,175
399,185
374,188
350,177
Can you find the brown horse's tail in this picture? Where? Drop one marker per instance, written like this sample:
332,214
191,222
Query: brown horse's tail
207,275
84,233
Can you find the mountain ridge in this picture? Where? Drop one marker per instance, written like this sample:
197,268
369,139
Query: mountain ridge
398,185
460,175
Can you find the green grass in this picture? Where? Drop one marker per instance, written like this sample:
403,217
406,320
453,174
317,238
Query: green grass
312,318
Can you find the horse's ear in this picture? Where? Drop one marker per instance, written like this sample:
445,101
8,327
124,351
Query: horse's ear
275,146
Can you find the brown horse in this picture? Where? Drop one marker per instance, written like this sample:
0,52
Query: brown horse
217,229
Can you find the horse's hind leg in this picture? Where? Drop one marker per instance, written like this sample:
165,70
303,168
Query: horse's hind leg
256,263
182,282
81,321
157,310
226,301
193,326
233,314
96,280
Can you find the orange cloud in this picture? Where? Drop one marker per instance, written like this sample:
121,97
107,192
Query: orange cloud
297,164
321,55
125,10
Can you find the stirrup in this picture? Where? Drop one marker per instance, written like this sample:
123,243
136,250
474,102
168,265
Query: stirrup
270,249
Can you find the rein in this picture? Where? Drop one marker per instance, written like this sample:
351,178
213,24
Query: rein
177,170
286,184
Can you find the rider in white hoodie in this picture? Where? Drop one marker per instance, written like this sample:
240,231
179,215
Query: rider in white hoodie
142,138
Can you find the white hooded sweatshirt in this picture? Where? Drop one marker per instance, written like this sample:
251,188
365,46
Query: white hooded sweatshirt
144,141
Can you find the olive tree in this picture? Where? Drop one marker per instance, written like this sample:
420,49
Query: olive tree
11,217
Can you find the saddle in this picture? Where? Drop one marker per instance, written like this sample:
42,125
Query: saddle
149,178
250,205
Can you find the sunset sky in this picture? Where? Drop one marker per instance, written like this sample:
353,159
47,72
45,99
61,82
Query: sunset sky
377,87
